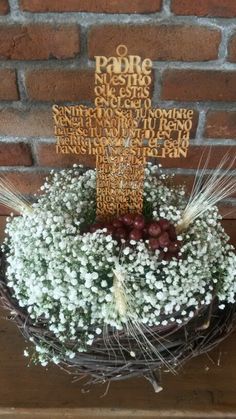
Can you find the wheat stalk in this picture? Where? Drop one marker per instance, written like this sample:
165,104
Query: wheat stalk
11,198
207,192
124,306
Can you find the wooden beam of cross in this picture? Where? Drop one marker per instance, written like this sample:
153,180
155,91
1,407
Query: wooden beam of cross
122,131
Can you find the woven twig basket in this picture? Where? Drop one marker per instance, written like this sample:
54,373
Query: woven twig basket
104,361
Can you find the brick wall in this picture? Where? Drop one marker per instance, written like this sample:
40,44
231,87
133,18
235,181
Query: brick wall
46,56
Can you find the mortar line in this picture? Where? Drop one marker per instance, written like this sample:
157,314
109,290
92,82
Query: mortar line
15,13
223,48
82,62
195,142
201,126
166,8
39,169
167,104
87,19
21,85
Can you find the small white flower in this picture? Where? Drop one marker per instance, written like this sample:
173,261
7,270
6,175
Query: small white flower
67,277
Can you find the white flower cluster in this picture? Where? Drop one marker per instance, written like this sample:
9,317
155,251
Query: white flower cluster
65,278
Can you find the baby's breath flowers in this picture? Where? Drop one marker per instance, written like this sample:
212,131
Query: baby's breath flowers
65,276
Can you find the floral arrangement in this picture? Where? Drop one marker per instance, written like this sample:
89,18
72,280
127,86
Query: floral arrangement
86,280
122,296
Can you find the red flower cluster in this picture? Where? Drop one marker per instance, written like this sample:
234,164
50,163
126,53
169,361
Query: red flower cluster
160,234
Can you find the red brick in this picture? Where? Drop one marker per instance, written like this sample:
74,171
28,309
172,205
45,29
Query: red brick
3,220
227,211
17,154
60,85
188,181
232,49
8,87
229,226
199,85
38,41
25,183
194,155
48,157
158,42
101,6
6,211
35,122
213,8
4,7
221,124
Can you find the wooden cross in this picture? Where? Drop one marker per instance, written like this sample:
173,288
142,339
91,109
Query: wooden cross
122,131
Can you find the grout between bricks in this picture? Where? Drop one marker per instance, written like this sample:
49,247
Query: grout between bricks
82,62
214,106
166,8
21,85
34,152
15,13
201,126
86,21
223,48
195,142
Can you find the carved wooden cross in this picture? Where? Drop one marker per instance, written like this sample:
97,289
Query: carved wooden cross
122,131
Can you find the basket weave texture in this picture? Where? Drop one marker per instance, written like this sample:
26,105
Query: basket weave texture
105,362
